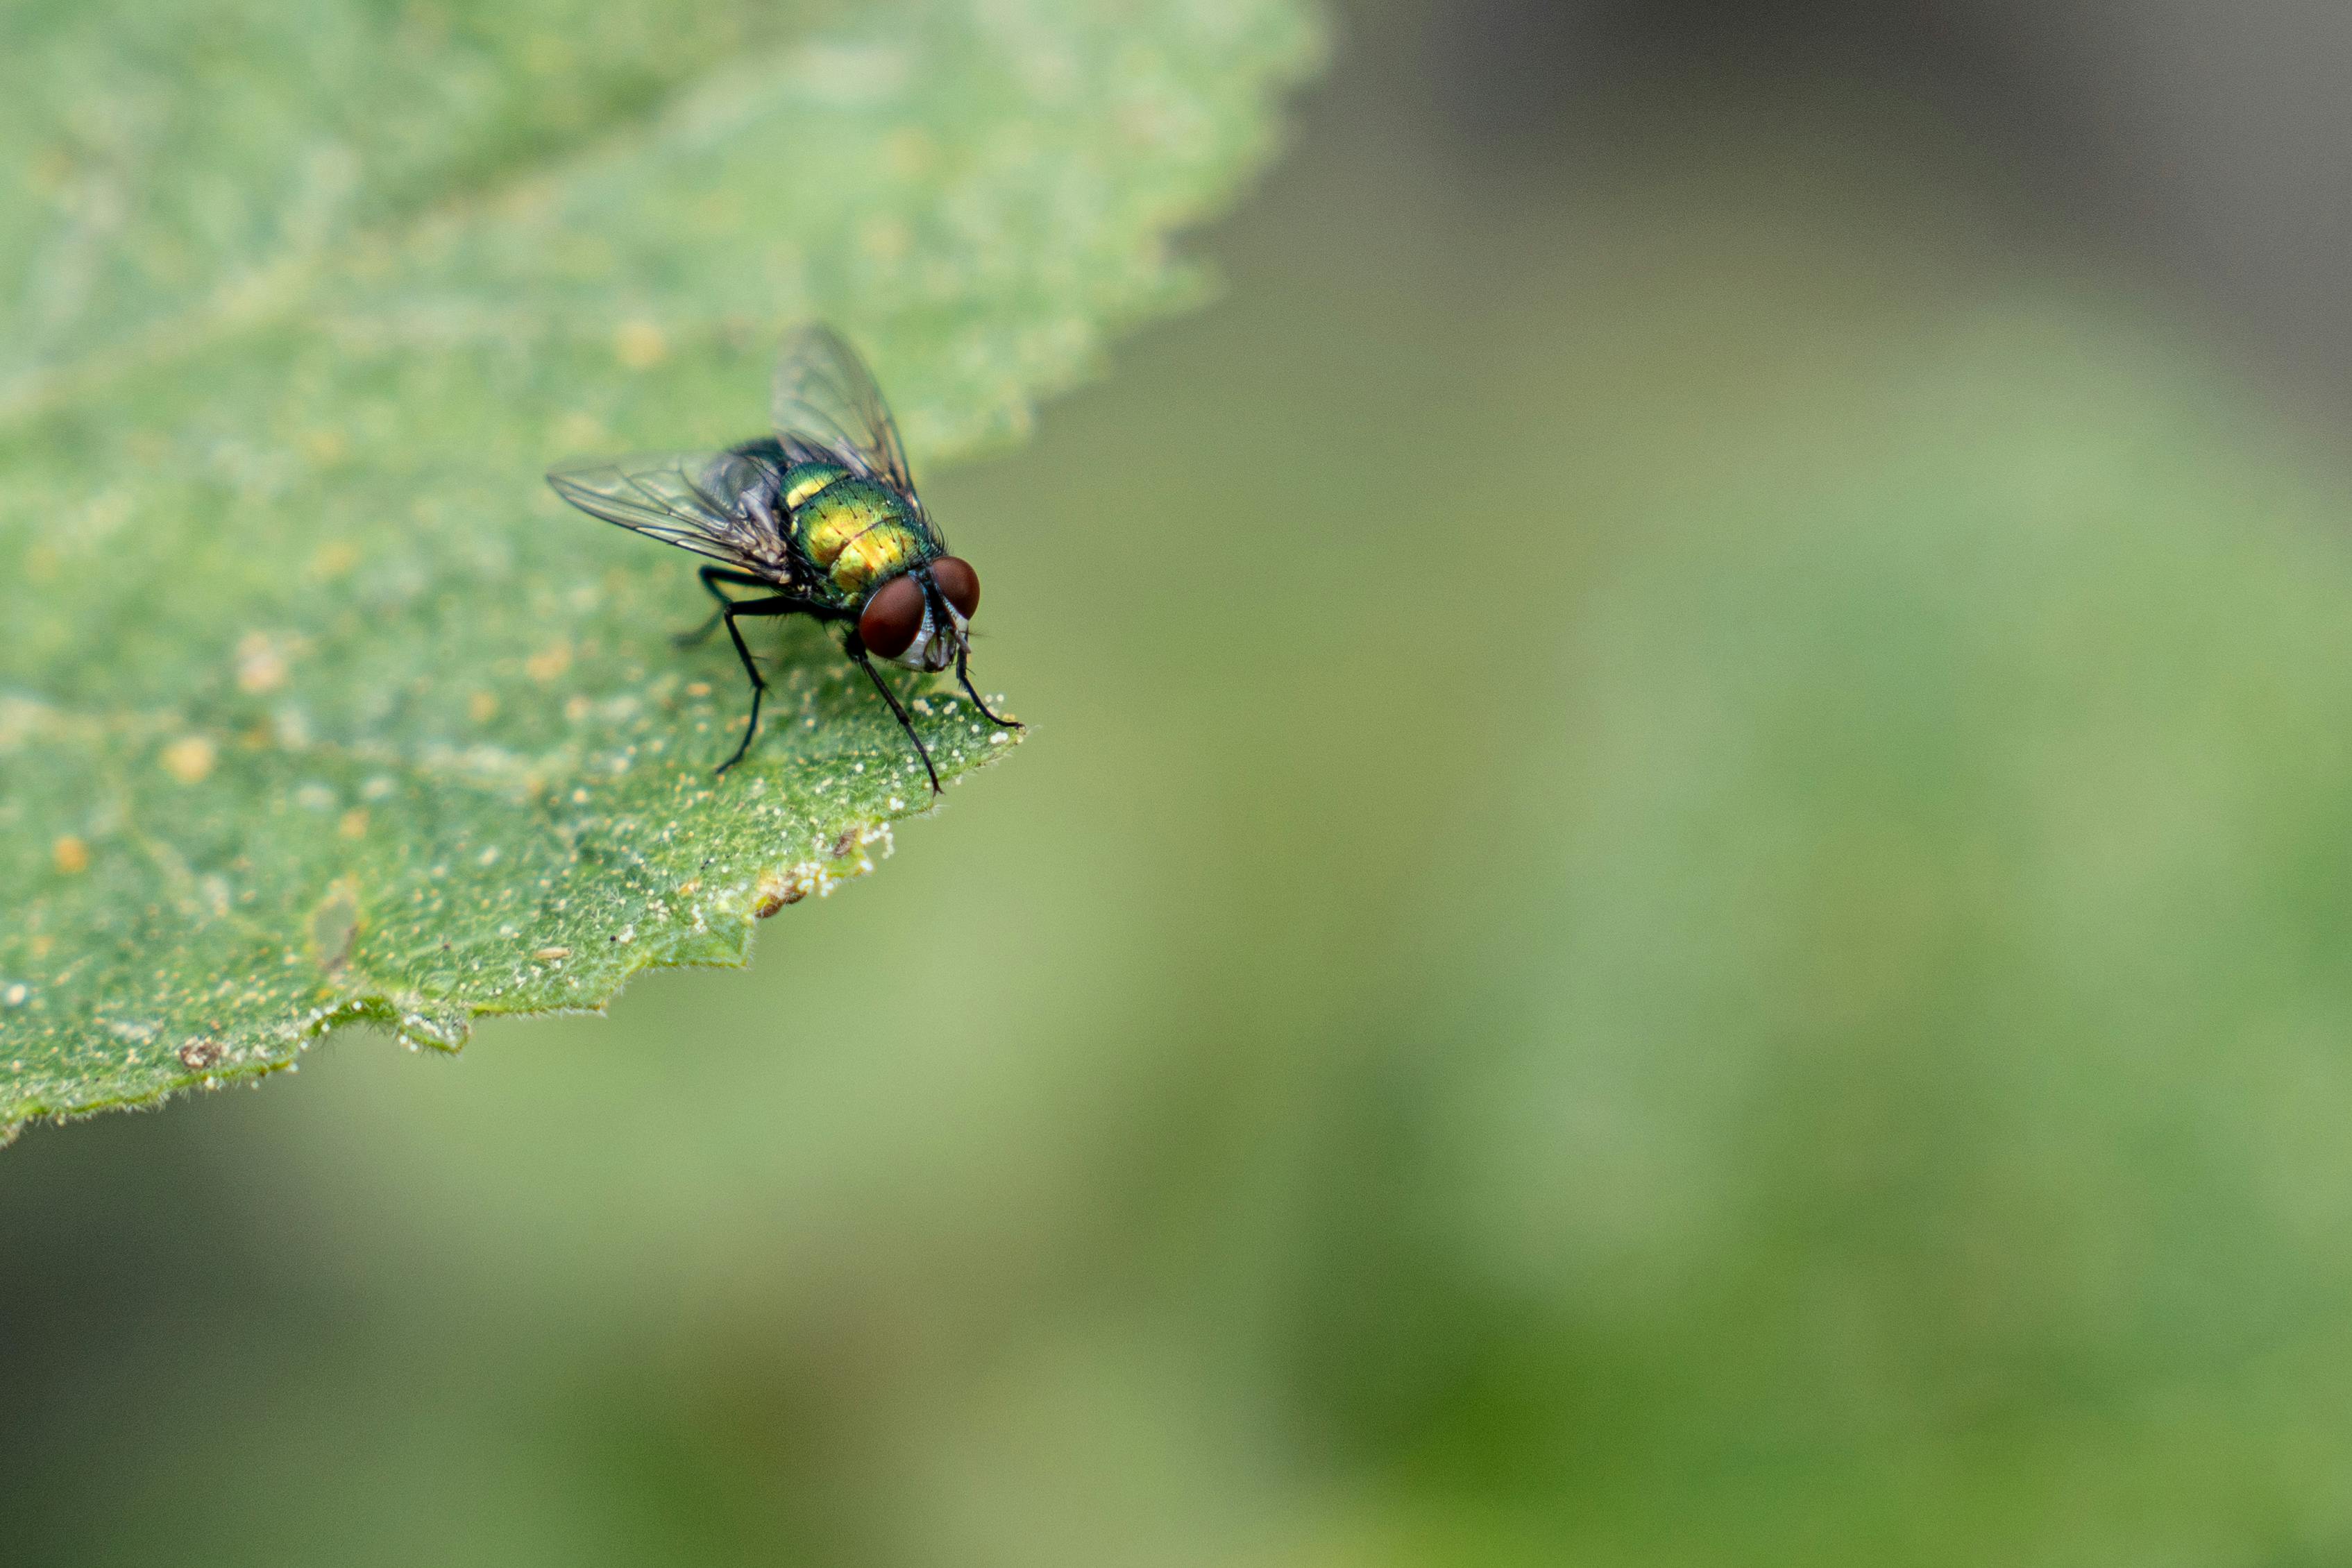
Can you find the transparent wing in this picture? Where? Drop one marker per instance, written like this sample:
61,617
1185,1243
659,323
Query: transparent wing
826,399
713,503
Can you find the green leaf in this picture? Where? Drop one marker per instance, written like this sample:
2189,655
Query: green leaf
314,705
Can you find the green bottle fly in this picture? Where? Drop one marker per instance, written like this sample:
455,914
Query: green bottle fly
822,518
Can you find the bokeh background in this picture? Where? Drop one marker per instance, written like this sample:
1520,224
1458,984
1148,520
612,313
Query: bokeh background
1680,898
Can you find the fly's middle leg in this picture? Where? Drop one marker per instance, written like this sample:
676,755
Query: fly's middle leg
712,576
780,604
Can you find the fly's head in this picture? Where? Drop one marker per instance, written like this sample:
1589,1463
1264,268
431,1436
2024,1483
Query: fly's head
921,619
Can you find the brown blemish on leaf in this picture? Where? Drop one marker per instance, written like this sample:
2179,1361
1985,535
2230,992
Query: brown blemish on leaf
776,890
334,926
196,1055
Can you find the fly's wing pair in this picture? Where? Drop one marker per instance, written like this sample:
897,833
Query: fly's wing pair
827,407
695,500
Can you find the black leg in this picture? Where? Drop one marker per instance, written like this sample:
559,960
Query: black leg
781,604
964,655
712,576
854,646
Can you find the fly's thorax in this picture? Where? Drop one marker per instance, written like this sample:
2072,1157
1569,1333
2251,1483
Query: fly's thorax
858,533
804,480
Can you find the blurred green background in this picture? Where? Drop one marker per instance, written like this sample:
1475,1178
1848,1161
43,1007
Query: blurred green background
1680,898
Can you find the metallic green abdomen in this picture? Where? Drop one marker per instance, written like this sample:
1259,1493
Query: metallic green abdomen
857,531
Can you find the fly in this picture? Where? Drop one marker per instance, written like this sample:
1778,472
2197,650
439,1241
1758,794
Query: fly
820,520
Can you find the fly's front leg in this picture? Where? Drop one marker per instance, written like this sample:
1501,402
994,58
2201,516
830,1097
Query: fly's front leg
854,646
963,656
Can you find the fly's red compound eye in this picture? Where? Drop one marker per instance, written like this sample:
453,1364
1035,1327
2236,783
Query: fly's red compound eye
891,618
959,582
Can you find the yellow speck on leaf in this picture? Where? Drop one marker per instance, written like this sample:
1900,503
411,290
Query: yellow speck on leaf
49,170
908,152
190,759
549,661
260,667
71,855
332,559
354,823
886,240
639,345
481,707
575,431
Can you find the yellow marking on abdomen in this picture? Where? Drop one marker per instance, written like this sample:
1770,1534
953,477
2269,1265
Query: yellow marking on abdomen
833,520
857,533
882,550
